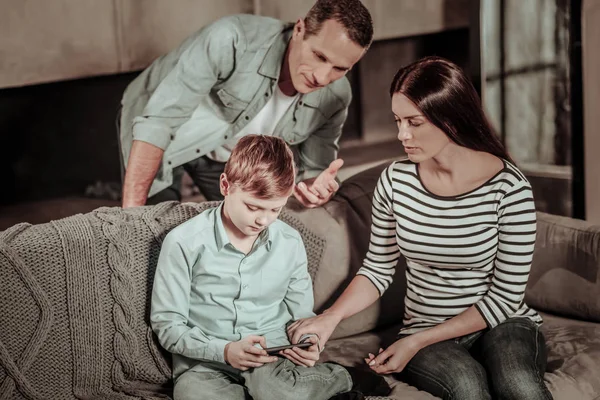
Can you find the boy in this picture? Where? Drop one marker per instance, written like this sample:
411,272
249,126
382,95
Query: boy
231,279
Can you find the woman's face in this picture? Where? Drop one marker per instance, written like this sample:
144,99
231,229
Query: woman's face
421,139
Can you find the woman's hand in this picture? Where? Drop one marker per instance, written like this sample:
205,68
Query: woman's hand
394,358
323,325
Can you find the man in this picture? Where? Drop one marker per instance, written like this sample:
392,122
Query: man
240,75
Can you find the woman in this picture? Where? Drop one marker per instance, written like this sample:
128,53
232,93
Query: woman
463,216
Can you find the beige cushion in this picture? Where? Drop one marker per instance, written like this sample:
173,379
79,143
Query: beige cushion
564,278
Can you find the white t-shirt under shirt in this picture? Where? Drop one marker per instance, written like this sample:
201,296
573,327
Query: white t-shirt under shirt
263,124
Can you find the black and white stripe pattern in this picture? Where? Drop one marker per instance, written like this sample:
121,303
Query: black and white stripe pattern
472,249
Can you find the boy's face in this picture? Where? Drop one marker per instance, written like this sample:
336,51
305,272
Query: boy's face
245,214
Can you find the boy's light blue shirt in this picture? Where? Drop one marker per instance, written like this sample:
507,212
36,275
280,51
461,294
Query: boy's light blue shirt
207,293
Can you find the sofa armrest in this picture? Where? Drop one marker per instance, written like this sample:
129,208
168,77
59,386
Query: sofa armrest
565,275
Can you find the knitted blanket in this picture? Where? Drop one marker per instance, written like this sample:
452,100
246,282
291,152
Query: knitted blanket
75,295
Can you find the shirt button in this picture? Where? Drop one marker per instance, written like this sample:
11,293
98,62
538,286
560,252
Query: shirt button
197,150
300,103
226,136
246,118
267,94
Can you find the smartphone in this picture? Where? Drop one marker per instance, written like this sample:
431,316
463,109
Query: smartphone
276,350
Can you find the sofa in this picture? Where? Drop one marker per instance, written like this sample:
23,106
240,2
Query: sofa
75,295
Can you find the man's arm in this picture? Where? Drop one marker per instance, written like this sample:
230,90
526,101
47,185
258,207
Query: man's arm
318,163
171,303
209,58
321,148
142,166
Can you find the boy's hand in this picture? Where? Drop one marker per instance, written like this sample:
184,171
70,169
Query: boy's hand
243,354
305,358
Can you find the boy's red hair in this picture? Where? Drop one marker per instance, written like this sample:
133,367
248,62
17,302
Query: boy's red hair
262,165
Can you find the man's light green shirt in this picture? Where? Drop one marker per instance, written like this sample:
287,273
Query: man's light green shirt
207,293
190,101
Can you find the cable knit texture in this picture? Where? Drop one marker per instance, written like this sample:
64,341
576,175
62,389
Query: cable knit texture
76,302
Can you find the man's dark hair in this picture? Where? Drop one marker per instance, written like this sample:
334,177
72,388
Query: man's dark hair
351,14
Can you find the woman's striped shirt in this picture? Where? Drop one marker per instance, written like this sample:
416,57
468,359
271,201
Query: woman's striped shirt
471,249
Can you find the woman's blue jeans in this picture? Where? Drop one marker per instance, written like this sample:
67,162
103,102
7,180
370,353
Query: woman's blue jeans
506,362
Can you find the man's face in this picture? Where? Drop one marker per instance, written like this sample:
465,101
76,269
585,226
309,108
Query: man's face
317,60
246,215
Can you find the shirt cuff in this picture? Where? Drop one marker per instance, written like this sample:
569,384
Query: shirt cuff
304,175
483,309
155,134
216,350
380,286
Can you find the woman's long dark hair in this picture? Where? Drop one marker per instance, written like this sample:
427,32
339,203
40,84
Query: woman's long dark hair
447,98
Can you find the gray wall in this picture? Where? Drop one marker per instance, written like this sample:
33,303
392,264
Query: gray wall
44,41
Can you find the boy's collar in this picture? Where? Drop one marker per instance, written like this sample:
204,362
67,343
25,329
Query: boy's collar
265,238
221,237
